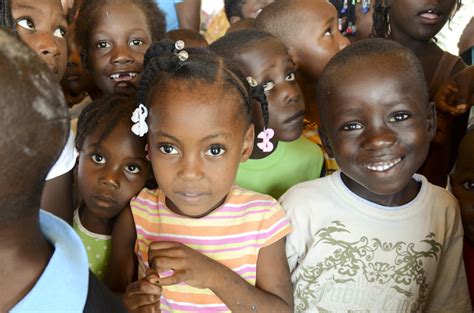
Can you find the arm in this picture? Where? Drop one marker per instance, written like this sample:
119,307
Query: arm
122,267
273,290
57,196
189,14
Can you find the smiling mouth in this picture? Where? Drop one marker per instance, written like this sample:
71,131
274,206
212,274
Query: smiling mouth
123,76
382,166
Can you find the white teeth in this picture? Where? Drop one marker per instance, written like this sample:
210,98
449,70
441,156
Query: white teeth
118,75
383,166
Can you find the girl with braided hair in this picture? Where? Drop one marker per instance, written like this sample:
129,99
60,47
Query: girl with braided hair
287,158
198,243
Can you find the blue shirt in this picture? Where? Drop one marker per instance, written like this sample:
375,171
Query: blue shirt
64,283
169,9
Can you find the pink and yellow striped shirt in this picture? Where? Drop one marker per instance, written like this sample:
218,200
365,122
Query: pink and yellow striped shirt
232,234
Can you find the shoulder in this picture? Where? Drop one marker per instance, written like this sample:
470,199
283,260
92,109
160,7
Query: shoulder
245,199
308,190
305,144
101,299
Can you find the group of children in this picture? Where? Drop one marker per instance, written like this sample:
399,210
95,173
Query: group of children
199,177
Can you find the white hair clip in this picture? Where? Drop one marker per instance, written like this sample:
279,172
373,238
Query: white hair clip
140,127
182,54
252,81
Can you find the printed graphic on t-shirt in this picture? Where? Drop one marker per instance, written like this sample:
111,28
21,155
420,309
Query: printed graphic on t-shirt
365,275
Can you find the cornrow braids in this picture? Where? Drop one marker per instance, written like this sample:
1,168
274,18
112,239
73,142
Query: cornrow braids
381,27
104,113
6,15
231,45
164,63
258,94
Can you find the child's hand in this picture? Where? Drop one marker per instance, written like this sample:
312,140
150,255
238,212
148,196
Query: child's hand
457,97
143,296
187,264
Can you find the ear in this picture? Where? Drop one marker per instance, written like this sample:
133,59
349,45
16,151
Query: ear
247,147
234,19
431,119
327,146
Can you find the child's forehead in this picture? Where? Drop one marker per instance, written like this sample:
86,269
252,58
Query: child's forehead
38,5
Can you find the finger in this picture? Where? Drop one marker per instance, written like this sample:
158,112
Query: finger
143,286
176,278
152,276
160,245
137,301
162,264
148,309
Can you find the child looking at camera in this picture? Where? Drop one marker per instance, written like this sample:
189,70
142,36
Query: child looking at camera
114,36
375,236
201,243
112,168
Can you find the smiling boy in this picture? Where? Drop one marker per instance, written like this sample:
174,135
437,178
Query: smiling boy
375,236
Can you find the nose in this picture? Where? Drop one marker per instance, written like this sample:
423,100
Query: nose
343,41
110,178
47,46
122,55
191,168
290,93
74,59
378,138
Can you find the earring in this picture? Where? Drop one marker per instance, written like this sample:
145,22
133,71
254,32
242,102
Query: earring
266,145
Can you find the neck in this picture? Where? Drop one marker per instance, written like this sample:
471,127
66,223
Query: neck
308,89
95,224
25,253
404,196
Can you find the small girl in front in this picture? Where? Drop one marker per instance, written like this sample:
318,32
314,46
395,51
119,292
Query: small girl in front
202,244
112,168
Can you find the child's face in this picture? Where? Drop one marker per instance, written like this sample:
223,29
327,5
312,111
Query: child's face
42,25
462,182
318,39
379,128
75,80
270,64
119,40
112,172
251,8
421,19
197,140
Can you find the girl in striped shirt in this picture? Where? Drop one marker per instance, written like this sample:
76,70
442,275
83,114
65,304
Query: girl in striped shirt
198,242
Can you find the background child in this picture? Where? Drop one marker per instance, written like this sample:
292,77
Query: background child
224,244
462,183
237,10
112,168
375,236
44,266
42,26
292,159
114,36
414,24
190,37
309,30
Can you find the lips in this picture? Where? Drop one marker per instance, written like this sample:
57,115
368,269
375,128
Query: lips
382,166
102,200
191,197
430,16
298,116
